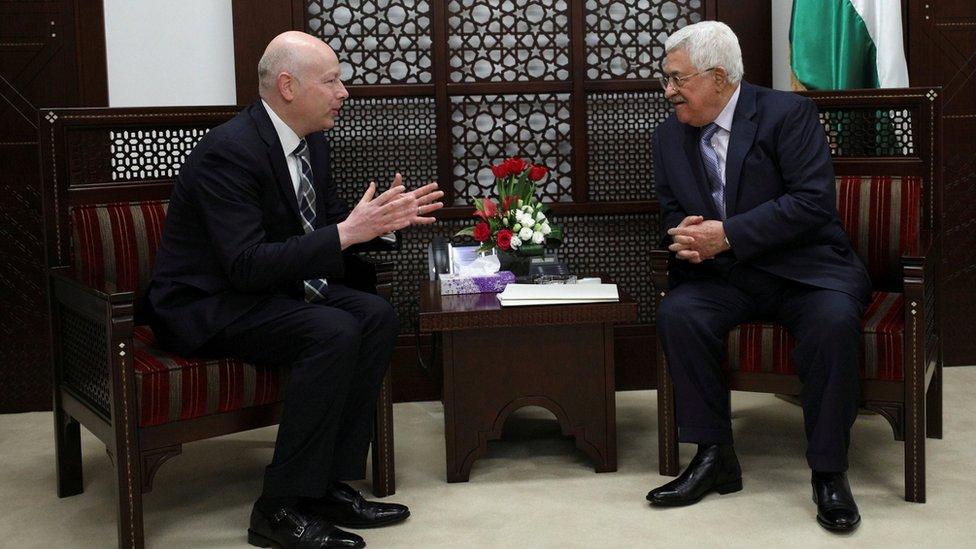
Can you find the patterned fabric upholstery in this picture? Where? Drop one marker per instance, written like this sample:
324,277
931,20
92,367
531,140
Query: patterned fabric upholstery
882,216
173,388
115,245
767,347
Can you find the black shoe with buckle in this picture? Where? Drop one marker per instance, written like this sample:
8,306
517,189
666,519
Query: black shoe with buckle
836,509
286,527
346,507
713,469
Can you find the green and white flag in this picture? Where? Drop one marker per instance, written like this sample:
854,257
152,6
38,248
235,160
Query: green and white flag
844,44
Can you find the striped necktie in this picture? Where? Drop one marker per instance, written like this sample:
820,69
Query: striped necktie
710,160
314,288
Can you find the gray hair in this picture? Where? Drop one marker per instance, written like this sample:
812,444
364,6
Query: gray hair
709,44
275,61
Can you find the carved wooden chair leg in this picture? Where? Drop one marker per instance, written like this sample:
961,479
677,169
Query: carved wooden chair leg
667,436
384,478
914,441
128,483
67,448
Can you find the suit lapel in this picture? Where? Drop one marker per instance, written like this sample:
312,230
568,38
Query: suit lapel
740,142
277,158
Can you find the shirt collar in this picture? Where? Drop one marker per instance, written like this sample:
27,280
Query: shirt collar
724,119
289,139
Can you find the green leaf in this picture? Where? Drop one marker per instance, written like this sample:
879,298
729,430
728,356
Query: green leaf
467,231
531,249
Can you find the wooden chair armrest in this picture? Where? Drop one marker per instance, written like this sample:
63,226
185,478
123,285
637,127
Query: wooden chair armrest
659,272
69,291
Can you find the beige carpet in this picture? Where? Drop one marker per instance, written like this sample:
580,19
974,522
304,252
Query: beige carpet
534,489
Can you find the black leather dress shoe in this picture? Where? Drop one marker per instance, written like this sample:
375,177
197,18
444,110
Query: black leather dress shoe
713,469
286,527
345,506
836,510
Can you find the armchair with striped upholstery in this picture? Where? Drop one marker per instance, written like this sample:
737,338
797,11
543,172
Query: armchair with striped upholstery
885,147
107,175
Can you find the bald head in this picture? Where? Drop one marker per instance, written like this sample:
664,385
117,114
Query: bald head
290,52
298,78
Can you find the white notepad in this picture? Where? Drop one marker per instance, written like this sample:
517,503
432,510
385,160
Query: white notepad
557,294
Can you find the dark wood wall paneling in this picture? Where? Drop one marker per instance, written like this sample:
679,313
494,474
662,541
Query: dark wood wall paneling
52,54
256,22
942,52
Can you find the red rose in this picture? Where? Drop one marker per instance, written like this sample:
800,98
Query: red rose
481,232
500,170
537,172
504,239
515,165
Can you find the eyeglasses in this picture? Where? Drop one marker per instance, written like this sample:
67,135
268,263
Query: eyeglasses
678,81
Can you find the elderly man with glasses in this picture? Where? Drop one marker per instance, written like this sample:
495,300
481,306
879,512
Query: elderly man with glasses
747,195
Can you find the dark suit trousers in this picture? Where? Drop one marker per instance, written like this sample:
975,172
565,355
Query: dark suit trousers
694,319
337,351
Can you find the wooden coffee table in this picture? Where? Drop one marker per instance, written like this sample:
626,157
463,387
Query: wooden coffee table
497,360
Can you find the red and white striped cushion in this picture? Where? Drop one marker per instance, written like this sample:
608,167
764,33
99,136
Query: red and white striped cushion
881,214
115,245
767,348
173,388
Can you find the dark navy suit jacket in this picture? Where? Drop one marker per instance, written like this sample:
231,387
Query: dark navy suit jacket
233,235
780,196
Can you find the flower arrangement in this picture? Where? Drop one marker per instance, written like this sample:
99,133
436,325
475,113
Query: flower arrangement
518,223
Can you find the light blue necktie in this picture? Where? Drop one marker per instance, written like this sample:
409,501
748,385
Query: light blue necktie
710,159
314,288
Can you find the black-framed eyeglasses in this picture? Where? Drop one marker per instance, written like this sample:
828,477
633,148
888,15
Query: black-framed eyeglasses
678,81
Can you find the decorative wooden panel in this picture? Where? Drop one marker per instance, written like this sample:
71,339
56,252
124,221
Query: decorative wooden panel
378,41
375,138
625,38
620,163
513,40
488,128
52,53
942,52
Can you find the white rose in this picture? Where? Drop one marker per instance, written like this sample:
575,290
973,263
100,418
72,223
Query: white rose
546,229
516,242
525,234
537,238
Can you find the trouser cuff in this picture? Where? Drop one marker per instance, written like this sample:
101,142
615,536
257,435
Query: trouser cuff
704,435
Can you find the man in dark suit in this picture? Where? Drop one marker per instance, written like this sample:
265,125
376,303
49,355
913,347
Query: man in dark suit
747,197
252,265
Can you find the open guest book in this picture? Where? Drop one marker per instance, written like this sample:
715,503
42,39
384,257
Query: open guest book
557,294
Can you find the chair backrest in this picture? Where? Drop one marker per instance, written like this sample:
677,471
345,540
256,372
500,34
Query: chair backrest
108,177
881,215
115,244
885,149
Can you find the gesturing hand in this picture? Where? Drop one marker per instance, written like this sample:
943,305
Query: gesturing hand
696,240
392,210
